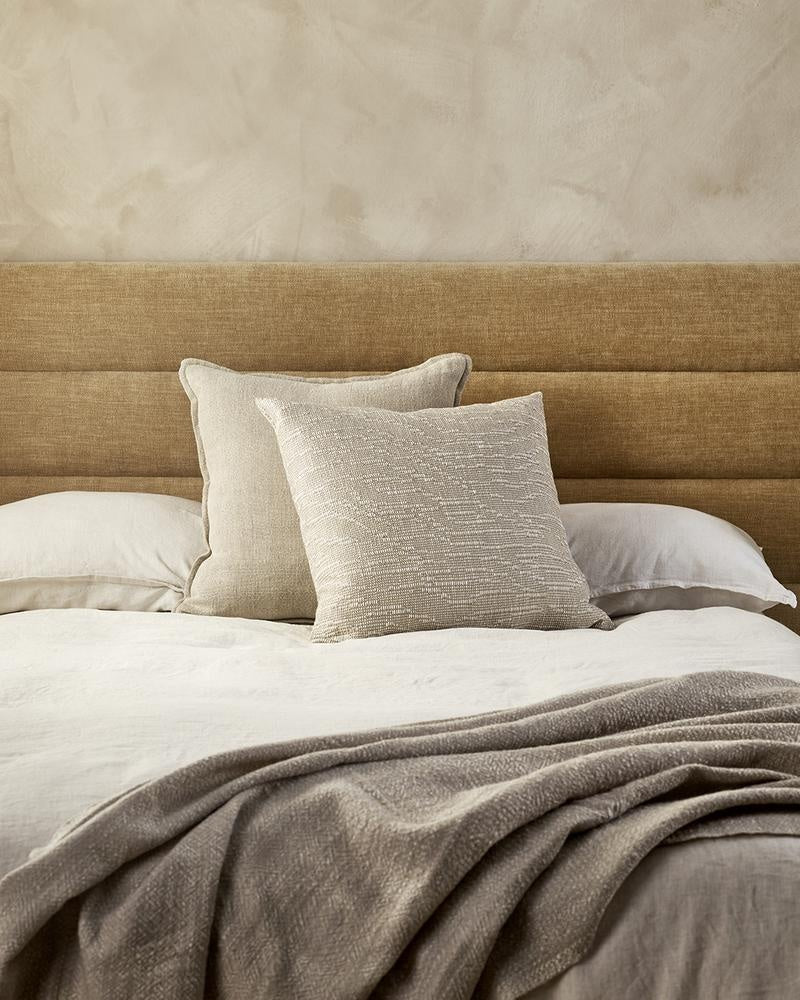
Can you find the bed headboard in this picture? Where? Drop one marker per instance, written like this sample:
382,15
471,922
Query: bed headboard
673,383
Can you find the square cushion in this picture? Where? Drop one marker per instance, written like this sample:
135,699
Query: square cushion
255,565
434,519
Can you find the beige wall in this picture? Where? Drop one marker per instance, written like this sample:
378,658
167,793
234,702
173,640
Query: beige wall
539,129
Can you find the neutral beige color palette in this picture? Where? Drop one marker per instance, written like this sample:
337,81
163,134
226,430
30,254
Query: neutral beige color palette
677,383
314,129
255,565
443,518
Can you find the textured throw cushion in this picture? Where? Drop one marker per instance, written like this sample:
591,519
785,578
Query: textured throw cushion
654,557
110,551
435,519
255,565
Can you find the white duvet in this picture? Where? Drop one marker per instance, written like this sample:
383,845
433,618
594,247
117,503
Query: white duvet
93,702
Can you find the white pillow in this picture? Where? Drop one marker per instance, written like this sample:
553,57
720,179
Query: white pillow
653,557
111,551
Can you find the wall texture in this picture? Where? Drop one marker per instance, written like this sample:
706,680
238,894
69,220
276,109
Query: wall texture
342,129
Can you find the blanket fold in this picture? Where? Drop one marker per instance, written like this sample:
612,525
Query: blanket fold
470,857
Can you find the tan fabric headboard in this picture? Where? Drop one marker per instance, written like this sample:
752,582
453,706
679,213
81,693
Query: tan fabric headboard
675,383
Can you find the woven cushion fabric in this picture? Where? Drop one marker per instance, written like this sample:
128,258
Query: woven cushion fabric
434,519
254,565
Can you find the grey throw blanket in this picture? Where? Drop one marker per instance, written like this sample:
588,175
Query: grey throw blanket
466,858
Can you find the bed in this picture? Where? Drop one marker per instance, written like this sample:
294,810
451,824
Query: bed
666,383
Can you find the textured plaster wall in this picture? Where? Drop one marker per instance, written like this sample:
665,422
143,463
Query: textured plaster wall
538,129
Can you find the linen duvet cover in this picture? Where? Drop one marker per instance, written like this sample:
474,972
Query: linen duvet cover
97,702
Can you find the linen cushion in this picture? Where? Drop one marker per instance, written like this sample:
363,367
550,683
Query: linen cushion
435,519
254,565
641,557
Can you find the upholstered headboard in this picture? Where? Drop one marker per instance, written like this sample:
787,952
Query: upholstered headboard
675,383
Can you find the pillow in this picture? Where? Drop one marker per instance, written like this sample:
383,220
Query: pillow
254,565
112,551
434,519
652,557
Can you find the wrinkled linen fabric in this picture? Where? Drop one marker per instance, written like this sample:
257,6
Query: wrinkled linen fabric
134,696
700,920
467,858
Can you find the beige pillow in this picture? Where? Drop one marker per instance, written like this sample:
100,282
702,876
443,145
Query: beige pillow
255,565
435,519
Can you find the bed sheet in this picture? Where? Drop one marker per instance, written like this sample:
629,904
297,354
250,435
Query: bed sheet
95,702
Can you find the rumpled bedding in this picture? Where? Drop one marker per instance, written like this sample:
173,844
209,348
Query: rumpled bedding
93,703
467,858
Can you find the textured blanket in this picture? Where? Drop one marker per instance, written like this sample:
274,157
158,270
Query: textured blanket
467,858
